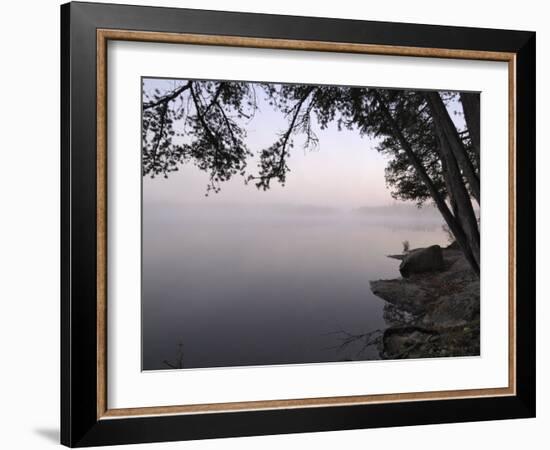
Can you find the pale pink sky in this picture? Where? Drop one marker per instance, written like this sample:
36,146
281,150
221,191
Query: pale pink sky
345,171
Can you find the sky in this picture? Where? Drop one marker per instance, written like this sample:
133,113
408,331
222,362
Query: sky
345,170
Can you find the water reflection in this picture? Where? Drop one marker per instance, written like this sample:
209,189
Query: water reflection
239,287
177,363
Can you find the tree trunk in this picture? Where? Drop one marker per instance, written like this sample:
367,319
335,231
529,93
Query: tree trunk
458,194
454,206
454,225
470,106
443,122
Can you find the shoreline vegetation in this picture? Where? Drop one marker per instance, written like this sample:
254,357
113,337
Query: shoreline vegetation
430,313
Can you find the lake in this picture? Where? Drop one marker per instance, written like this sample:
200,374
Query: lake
239,286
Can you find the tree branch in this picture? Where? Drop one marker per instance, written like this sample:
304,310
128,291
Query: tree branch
278,170
168,98
164,111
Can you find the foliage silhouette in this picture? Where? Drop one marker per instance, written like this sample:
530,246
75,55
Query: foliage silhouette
204,123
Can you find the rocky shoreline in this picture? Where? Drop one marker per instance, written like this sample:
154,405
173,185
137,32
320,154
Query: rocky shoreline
434,313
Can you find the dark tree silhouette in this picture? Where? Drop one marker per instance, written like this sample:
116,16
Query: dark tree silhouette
209,114
429,158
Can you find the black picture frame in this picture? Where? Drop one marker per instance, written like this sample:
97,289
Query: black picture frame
80,425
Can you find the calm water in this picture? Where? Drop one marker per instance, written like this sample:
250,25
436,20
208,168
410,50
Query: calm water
244,286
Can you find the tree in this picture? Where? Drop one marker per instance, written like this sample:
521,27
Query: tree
470,105
430,159
461,220
208,113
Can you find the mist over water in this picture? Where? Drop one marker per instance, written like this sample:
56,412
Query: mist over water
238,285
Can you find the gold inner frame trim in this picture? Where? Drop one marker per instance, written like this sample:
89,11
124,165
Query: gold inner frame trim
103,36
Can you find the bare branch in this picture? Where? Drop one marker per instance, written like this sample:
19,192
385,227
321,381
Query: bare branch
282,144
169,97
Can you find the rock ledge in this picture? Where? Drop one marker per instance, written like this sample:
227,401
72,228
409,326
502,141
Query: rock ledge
431,313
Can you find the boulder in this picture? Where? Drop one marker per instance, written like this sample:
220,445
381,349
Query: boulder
429,259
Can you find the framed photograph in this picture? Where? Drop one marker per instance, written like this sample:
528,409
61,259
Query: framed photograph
276,224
